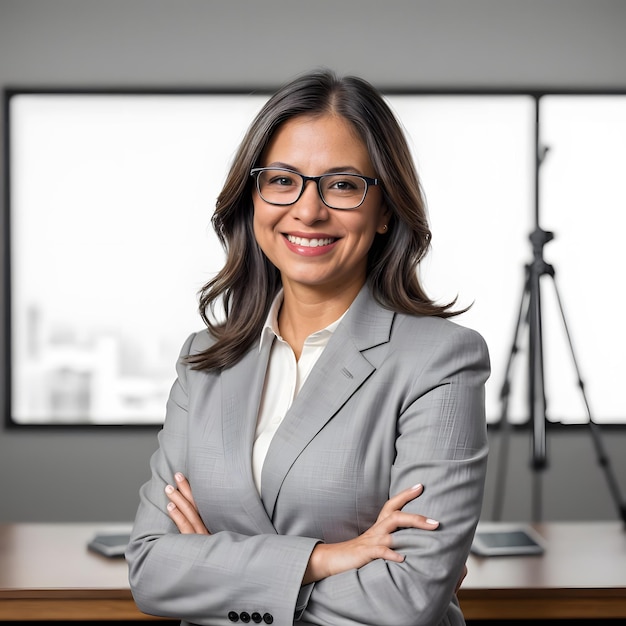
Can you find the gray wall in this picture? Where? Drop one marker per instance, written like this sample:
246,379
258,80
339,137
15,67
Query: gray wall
94,476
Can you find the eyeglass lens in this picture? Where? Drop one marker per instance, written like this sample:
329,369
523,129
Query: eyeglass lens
339,191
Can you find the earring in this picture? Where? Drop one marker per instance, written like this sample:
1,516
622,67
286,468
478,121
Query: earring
385,228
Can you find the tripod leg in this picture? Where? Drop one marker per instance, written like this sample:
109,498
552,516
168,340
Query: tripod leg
602,456
505,425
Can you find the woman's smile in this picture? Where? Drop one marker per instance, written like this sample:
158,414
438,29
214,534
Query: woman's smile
308,242
310,245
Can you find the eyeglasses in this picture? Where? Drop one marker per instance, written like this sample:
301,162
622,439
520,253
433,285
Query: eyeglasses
283,187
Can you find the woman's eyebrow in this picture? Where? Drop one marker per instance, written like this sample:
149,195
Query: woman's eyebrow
331,170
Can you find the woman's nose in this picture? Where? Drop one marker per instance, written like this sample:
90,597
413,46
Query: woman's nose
310,207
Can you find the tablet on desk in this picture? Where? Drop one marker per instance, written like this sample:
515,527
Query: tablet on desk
496,539
109,544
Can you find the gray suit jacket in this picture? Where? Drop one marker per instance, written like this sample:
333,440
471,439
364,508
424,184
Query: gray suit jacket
393,401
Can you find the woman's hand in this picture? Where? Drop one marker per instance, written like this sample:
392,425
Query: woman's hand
375,543
182,508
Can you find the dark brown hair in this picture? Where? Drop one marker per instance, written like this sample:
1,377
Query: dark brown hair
248,282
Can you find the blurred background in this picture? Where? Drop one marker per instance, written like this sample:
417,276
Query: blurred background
69,473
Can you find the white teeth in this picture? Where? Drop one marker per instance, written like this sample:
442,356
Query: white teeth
310,243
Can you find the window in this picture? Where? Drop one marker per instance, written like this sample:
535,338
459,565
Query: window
109,201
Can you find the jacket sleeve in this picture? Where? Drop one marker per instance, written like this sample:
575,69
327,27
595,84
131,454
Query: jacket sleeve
200,578
441,443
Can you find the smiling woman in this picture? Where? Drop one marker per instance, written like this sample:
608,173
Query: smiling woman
362,425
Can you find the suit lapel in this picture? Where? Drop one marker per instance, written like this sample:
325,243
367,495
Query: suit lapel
339,372
242,386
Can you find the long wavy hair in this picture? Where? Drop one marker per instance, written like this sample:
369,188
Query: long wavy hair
247,284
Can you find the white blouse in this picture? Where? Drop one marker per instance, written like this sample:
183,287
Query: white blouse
283,380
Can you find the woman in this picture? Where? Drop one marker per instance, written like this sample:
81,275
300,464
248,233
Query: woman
323,456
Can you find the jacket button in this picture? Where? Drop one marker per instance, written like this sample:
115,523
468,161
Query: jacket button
245,617
256,618
268,618
232,616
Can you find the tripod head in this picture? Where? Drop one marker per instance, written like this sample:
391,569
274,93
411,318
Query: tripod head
539,238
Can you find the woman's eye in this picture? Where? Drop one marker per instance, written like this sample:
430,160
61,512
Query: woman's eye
342,184
281,180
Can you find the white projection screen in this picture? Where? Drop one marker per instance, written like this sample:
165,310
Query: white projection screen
108,239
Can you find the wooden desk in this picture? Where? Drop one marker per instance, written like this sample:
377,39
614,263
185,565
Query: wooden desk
47,573
581,575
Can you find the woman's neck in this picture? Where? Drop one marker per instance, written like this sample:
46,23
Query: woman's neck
305,311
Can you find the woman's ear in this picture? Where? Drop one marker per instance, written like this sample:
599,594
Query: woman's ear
385,218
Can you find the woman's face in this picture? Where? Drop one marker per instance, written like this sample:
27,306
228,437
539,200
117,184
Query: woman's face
311,244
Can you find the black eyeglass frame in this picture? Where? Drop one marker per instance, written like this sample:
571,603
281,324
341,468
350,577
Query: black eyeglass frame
255,171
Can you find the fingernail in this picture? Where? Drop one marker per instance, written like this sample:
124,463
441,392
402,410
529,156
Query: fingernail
416,487
171,506
431,521
179,477
169,489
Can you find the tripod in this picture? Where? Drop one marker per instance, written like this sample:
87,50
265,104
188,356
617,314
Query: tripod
530,313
